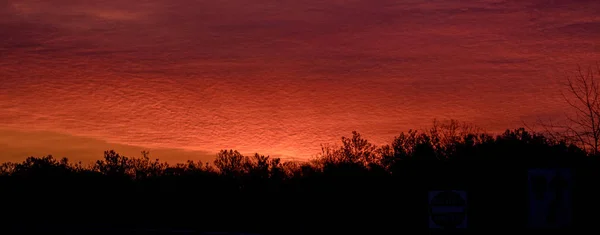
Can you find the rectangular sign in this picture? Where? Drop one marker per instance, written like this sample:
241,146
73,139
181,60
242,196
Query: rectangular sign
447,209
549,198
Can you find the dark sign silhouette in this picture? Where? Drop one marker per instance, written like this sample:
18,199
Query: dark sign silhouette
549,201
447,209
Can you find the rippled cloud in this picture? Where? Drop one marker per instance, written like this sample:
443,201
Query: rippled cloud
281,77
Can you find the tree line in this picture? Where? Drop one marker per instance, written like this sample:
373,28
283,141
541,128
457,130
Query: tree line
352,186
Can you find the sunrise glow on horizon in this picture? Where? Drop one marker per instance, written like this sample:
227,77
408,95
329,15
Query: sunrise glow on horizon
187,78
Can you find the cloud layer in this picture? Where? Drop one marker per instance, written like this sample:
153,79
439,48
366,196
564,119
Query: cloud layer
281,77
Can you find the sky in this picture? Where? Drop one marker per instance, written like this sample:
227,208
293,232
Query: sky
186,78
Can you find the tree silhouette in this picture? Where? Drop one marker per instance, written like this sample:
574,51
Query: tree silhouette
583,122
353,186
113,164
231,162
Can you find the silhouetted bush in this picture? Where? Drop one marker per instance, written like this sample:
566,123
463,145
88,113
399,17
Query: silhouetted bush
352,187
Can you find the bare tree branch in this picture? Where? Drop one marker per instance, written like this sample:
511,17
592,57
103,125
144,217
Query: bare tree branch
582,123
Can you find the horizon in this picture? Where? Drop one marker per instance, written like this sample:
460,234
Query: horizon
43,143
186,79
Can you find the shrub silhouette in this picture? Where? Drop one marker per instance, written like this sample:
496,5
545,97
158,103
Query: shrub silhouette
352,187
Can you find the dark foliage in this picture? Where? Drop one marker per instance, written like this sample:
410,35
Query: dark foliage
353,187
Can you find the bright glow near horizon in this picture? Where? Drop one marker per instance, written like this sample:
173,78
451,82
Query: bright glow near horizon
275,77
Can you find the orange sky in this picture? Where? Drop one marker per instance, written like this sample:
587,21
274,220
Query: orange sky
187,78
